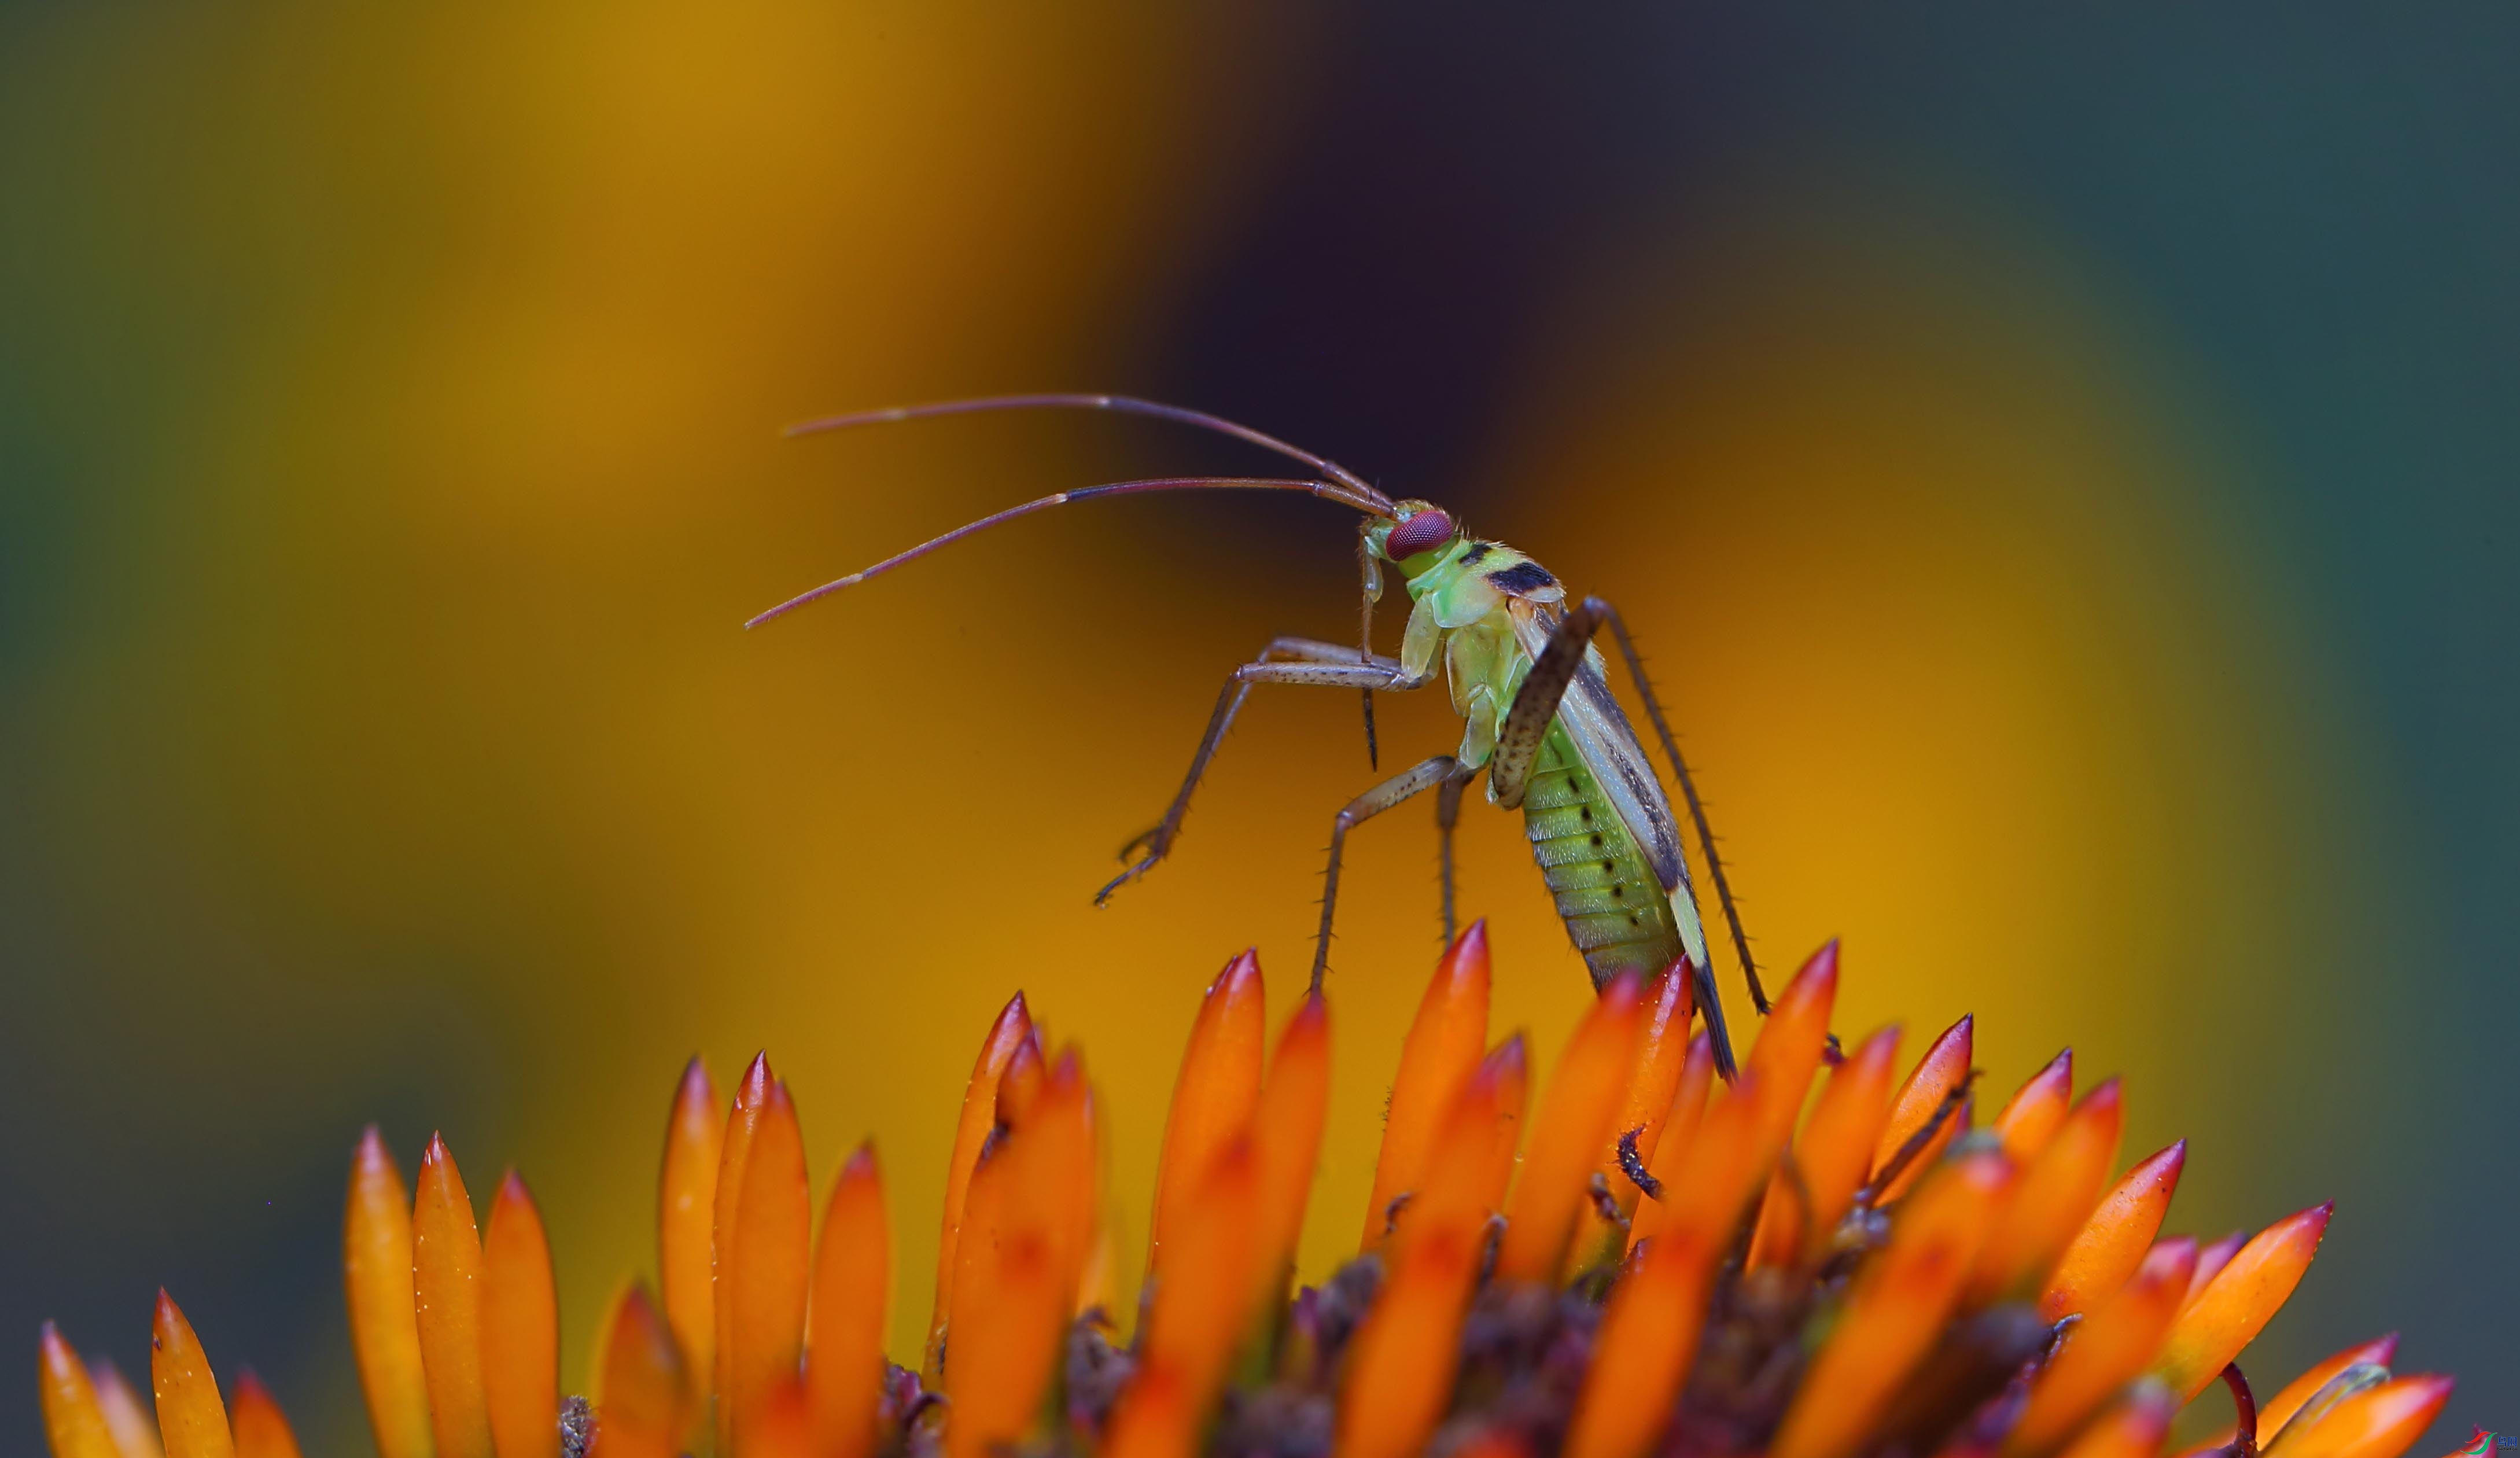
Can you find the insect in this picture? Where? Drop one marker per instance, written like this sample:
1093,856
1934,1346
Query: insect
1524,675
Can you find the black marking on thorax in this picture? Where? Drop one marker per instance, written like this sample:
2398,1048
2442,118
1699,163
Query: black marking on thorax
1477,553
1520,578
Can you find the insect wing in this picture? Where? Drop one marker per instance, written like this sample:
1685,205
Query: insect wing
1607,744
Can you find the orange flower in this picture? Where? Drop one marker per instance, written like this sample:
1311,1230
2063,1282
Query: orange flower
1882,1278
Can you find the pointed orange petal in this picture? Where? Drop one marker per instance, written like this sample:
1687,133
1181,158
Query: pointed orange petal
1057,1173
1679,1129
986,1212
1662,1057
384,1333
134,1427
644,1403
2240,1302
1091,1230
1647,1338
1509,1070
519,1327
191,1419
998,1367
768,1264
1711,1182
2036,1109
2112,1243
261,1428
1012,1030
1784,1215
1472,1155
1293,1108
686,1212
2105,1351
2134,1428
2210,1263
1203,1301
1779,1073
852,1280
2052,1201
2381,1423
447,1277
734,1152
1442,1047
1897,1307
1835,1153
1708,1175
2276,1411
1018,1261
72,1419
1401,1367
1937,1073
1790,1044
1572,1134
1214,1095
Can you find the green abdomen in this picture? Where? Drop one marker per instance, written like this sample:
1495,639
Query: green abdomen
1615,910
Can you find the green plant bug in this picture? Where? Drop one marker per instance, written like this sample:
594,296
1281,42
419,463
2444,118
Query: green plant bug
1523,673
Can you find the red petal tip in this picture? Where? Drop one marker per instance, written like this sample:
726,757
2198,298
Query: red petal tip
755,1082
1239,974
861,1163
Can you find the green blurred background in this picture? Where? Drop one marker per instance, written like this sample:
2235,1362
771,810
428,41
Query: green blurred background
2063,469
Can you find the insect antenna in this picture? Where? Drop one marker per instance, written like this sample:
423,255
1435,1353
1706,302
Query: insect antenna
1120,404
1328,490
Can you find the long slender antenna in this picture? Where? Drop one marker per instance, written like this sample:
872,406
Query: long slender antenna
1328,490
1123,404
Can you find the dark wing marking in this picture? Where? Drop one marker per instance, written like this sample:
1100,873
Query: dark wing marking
1521,579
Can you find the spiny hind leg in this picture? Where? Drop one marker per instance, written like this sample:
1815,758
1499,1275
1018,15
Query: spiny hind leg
1414,781
1296,661
1448,814
1689,792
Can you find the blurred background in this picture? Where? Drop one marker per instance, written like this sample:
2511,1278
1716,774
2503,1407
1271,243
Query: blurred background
2064,473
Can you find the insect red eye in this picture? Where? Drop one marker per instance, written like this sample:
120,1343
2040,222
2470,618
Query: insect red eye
1422,533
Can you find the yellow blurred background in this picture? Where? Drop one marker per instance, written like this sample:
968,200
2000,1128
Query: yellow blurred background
391,407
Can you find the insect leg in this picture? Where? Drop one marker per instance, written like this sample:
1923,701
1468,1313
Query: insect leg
1414,781
1689,792
1447,813
1297,660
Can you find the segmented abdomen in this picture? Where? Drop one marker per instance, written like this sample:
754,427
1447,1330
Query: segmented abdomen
1617,913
